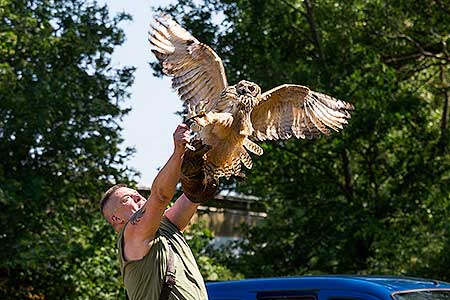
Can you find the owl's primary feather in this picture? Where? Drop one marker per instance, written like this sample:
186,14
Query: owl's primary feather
198,73
233,114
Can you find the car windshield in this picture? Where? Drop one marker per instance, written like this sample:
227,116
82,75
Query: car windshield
424,295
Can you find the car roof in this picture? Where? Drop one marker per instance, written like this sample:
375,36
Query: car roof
379,286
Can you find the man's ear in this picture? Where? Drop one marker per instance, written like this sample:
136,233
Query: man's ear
116,220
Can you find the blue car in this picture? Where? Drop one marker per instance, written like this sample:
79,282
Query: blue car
330,288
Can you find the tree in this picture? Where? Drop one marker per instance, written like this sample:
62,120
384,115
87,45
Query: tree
375,198
60,102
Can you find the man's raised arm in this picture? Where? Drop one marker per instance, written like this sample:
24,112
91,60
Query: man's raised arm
143,224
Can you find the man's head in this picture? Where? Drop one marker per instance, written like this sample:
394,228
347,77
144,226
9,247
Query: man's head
119,203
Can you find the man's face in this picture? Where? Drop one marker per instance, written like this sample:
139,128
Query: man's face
127,202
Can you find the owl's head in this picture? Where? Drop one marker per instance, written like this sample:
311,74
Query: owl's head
248,88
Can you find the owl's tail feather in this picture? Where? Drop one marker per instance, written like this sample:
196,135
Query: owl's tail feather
228,170
253,147
236,166
246,159
212,171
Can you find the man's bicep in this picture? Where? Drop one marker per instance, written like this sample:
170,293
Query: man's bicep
144,223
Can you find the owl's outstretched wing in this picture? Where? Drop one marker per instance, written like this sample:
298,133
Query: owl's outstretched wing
294,110
198,72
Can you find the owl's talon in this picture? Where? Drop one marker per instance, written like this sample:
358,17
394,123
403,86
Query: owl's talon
227,122
195,118
190,147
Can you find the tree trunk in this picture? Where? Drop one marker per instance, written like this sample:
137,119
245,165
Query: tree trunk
347,175
315,35
444,119
309,4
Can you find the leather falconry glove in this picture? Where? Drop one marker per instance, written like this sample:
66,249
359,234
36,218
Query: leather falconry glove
192,174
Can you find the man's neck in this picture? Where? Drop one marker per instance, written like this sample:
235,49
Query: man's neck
118,227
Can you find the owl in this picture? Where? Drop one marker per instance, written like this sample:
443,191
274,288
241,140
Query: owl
229,118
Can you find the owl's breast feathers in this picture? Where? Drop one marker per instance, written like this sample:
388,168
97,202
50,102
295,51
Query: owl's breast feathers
243,125
227,141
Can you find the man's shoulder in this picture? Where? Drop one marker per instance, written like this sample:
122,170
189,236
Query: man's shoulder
134,248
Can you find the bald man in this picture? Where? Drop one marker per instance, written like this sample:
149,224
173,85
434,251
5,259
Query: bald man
155,260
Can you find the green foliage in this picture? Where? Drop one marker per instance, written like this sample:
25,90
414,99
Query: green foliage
374,198
59,148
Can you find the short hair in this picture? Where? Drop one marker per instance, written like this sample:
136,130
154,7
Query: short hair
107,196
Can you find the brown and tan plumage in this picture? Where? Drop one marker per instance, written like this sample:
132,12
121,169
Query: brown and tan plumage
230,115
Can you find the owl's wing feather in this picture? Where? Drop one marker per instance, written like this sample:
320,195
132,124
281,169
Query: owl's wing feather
294,110
198,72
246,159
252,147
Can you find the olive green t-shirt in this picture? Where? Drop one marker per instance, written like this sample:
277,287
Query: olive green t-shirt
143,278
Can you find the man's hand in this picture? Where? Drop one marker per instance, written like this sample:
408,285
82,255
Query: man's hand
181,137
193,176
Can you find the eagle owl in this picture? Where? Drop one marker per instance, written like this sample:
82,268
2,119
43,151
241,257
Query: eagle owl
226,116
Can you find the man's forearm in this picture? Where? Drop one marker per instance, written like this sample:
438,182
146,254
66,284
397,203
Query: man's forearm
164,185
181,212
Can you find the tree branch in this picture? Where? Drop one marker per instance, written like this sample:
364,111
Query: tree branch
420,68
442,6
404,57
425,50
294,8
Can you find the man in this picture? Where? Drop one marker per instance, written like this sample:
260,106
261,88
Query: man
150,240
